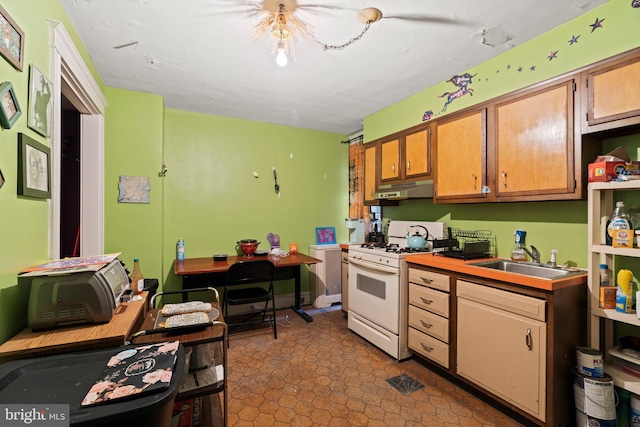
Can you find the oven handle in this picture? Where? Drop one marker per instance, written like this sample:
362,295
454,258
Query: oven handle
374,267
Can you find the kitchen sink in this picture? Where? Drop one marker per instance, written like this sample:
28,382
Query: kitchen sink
540,271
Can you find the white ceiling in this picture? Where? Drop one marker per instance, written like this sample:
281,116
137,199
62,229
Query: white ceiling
200,55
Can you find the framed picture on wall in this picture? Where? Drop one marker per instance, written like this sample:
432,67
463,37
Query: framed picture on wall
40,102
11,41
9,107
325,235
34,166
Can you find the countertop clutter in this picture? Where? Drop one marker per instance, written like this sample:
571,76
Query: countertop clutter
465,267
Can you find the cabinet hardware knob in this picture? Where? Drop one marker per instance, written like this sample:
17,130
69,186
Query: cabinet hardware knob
393,167
409,165
504,179
475,181
425,324
529,339
429,349
426,280
426,301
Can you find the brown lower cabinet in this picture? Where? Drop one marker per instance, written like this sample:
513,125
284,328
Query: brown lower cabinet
514,344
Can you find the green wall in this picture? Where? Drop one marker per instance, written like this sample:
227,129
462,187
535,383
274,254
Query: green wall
549,225
213,199
24,226
133,147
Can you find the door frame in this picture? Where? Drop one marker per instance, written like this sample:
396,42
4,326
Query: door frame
71,77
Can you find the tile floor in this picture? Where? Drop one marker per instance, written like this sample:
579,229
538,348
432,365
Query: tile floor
322,374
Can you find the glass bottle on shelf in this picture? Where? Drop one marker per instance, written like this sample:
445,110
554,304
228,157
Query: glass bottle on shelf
137,279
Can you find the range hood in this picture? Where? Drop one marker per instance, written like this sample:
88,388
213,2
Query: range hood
414,190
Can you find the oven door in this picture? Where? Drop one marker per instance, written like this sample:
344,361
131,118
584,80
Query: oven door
374,293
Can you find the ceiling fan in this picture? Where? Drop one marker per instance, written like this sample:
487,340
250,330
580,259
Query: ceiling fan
278,18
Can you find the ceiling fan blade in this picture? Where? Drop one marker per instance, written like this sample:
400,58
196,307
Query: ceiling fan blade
423,18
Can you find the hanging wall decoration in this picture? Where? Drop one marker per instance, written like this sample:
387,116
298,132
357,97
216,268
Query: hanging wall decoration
9,107
34,177
40,102
134,189
11,40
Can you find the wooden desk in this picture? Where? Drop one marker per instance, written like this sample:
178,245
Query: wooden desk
203,272
28,343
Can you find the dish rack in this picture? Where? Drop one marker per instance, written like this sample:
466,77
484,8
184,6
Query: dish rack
466,244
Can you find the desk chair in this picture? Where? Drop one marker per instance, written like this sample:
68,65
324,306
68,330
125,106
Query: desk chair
245,273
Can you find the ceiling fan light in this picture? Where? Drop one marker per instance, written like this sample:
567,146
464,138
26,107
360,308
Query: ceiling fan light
280,32
281,57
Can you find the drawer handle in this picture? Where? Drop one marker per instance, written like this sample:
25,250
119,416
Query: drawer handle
426,301
425,324
427,280
529,339
426,348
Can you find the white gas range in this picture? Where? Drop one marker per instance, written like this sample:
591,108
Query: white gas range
378,287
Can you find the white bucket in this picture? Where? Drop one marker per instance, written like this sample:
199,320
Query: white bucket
590,362
635,410
595,397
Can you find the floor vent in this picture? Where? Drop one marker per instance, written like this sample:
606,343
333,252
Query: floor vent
404,383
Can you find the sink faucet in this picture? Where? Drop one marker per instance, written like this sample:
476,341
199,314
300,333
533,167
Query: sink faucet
534,253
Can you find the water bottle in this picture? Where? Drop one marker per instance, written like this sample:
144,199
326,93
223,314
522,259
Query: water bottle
180,249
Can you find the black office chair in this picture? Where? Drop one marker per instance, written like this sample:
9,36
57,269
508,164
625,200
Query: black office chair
245,273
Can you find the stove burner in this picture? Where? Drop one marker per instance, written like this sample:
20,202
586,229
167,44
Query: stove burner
373,245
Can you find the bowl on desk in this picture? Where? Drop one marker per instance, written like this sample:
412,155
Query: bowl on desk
220,257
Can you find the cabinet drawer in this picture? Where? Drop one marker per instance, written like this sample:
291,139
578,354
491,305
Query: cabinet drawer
429,347
429,299
429,278
503,300
429,323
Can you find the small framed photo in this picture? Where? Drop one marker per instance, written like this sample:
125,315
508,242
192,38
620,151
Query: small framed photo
40,102
325,235
9,107
34,166
11,40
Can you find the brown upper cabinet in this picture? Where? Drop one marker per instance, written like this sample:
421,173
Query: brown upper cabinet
406,155
533,146
515,148
612,94
460,147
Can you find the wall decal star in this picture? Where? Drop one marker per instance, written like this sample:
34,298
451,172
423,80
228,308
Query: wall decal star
553,55
519,69
597,24
574,39
532,68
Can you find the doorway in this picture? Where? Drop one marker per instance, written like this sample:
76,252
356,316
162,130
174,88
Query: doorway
70,180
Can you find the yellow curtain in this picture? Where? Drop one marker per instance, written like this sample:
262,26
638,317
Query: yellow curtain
356,180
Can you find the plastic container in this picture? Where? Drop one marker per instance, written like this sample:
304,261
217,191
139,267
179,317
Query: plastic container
66,378
517,252
180,250
605,275
624,294
137,279
619,220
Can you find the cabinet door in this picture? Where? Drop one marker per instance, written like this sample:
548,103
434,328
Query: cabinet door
370,184
534,143
418,154
460,156
613,92
503,353
390,160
